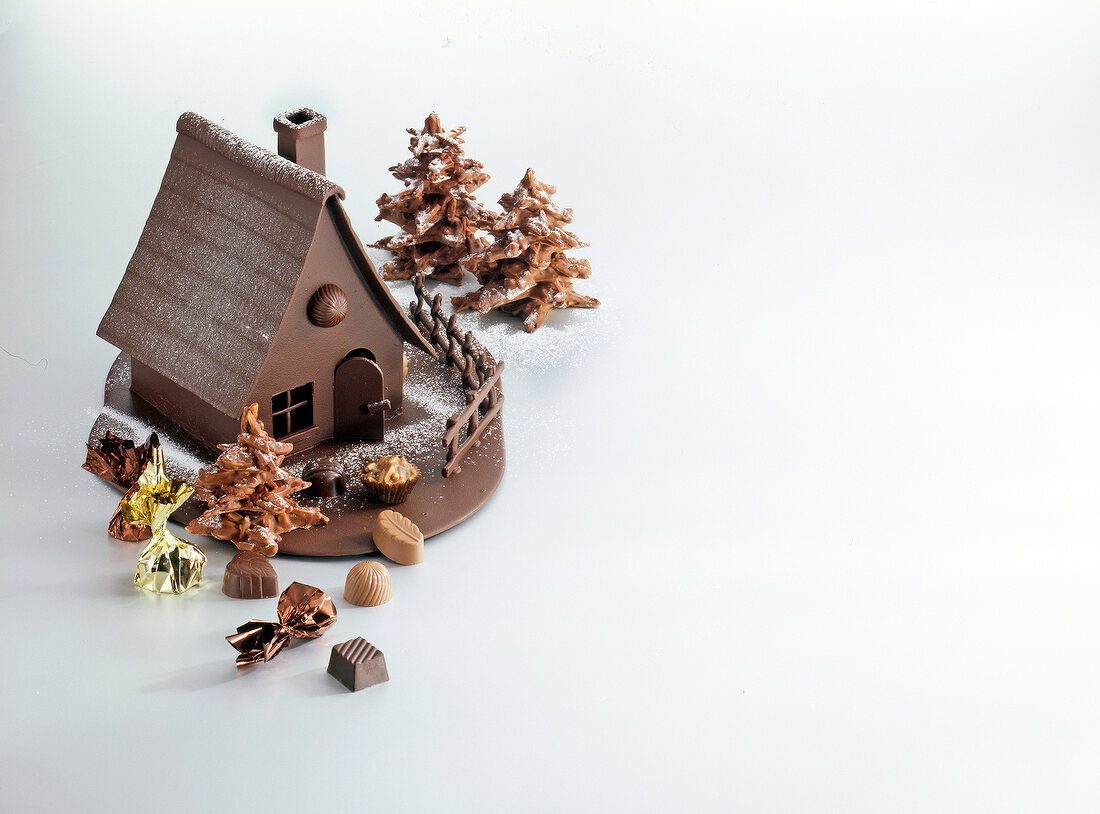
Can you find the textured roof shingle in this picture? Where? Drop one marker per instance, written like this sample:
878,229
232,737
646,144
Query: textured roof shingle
216,264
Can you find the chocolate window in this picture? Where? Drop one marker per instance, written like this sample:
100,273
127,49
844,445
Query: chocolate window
292,411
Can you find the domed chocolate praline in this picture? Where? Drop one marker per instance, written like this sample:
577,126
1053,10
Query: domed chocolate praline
368,585
328,306
326,480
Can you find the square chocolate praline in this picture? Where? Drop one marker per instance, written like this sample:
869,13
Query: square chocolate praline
357,664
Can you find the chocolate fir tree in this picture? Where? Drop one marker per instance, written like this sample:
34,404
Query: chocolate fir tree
437,212
249,493
525,271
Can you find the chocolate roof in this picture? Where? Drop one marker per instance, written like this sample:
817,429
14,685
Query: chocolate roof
217,262
264,163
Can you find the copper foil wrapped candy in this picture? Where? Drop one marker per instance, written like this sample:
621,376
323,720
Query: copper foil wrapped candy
168,565
118,528
118,460
305,612
121,462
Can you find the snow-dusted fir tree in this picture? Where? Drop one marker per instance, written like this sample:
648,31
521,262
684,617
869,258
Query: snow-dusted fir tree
249,492
525,271
437,212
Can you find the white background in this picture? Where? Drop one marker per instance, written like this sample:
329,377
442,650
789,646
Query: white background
805,518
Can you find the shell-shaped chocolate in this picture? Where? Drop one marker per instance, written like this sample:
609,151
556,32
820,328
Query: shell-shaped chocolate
368,584
398,538
328,306
249,575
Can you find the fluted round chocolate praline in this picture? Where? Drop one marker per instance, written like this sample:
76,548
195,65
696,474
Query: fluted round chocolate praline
368,584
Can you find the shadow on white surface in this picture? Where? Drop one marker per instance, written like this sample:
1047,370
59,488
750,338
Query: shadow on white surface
313,682
108,586
200,677
121,586
318,683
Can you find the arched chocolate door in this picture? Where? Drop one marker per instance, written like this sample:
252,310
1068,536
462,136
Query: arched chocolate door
358,399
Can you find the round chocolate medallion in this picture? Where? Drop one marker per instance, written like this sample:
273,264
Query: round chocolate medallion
328,306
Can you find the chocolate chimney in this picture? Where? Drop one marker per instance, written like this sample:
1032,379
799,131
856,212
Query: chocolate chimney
302,137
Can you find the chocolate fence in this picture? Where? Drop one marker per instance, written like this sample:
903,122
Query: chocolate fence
479,371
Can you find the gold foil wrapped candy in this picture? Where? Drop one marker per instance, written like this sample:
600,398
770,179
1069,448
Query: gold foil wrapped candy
305,612
168,565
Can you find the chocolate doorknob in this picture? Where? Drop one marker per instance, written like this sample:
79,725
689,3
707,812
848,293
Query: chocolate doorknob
376,407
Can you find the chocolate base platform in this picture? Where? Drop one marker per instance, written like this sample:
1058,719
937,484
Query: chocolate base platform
433,393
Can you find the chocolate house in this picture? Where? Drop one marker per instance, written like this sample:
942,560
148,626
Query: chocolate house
249,284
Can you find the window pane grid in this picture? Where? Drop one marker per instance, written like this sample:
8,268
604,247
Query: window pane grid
291,407
292,411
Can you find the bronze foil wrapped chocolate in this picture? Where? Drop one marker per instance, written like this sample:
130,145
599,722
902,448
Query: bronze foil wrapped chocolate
119,460
119,527
305,612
